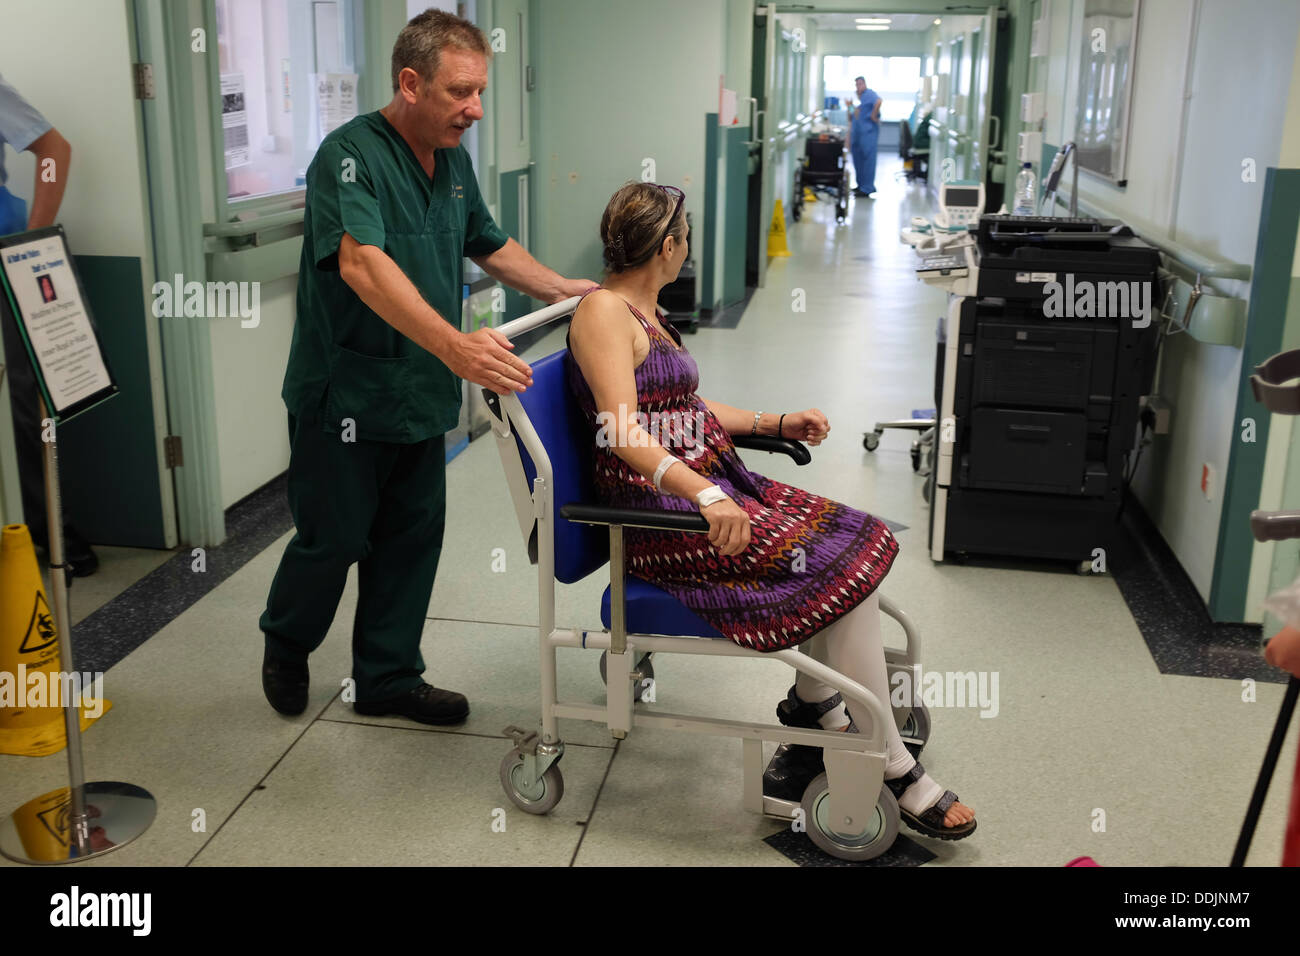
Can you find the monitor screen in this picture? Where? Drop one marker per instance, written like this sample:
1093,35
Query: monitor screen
961,197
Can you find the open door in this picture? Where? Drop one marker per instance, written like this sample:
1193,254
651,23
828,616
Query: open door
982,121
767,34
511,82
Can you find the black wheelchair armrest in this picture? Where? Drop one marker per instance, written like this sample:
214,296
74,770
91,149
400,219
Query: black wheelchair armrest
634,517
785,446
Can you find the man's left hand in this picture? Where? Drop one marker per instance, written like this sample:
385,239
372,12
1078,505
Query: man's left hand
809,427
572,287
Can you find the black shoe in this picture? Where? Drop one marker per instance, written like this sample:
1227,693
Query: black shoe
426,704
78,556
285,684
79,561
794,766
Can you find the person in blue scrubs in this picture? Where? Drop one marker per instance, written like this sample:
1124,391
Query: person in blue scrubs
25,129
864,134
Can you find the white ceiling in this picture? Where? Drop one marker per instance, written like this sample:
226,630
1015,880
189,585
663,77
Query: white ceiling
848,21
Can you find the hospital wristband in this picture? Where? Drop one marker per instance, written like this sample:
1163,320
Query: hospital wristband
709,496
667,462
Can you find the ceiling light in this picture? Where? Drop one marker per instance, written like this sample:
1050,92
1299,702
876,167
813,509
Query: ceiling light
872,26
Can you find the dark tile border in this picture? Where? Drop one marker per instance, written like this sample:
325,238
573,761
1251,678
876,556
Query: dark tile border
1169,610
729,316
800,849
117,628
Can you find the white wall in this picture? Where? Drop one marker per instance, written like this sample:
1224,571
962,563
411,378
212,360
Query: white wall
1184,183
618,82
83,85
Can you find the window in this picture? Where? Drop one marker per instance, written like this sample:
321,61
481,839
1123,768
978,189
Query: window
286,76
897,79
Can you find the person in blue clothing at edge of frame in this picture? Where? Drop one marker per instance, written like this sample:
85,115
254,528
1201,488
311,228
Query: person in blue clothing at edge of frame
864,134
375,367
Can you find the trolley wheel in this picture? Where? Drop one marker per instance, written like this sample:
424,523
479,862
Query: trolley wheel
841,211
865,840
871,441
916,456
917,727
545,792
796,204
645,665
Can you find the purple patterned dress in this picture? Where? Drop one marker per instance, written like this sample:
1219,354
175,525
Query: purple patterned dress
810,560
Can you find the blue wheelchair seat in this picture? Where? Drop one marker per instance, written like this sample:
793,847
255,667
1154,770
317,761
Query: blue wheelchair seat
651,610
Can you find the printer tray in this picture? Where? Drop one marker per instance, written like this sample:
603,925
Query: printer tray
1026,450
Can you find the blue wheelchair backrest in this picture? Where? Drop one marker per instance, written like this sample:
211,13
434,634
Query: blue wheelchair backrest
569,441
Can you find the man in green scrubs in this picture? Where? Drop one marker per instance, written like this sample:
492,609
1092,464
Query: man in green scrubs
375,369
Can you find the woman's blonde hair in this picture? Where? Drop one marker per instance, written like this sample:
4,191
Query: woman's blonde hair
635,224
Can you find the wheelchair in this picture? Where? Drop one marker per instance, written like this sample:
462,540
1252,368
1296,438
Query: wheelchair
546,450
824,168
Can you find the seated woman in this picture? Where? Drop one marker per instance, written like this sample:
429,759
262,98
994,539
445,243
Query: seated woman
780,566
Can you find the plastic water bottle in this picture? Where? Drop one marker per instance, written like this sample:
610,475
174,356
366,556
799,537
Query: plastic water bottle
1026,191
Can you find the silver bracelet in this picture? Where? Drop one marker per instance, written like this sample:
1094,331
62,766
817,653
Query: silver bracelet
757,416
667,462
710,495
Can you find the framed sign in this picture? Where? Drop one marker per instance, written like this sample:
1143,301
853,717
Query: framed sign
1107,60
39,282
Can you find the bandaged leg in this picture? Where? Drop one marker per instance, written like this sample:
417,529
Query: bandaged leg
855,646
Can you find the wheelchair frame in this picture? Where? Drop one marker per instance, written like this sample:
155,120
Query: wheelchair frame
847,811
836,180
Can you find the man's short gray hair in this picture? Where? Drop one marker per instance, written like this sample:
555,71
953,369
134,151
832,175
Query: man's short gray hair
421,42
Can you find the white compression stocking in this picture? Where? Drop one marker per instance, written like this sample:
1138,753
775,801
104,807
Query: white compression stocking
855,647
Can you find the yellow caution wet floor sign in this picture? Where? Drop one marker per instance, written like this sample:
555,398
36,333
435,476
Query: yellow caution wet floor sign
776,234
33,686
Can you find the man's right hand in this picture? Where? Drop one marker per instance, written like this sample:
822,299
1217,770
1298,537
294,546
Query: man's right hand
483,357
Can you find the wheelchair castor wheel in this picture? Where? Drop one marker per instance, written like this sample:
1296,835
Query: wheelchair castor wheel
866,840
916,730
870,441
542,796
645,665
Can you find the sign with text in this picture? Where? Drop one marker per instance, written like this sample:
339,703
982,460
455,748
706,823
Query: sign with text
44,295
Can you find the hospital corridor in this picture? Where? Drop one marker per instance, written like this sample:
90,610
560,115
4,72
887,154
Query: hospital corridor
647,434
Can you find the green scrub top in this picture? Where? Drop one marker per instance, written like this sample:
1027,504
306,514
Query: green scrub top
345,359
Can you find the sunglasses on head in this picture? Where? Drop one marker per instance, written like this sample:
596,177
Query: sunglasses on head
681,198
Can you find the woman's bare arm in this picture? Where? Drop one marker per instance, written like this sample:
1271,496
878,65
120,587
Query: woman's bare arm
602,342
737,421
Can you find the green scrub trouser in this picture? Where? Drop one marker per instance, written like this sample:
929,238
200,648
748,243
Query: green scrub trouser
382,505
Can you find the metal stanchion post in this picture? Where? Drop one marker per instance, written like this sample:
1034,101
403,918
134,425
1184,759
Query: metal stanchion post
39,831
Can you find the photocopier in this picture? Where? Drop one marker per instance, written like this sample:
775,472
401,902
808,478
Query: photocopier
1048,345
